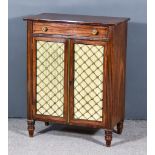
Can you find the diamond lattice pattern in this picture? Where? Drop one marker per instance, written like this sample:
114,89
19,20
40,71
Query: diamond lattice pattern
88,82
50,78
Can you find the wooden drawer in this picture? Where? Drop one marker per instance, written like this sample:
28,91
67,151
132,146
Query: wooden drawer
70,30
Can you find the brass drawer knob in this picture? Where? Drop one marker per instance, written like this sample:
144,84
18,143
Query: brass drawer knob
44,29
94,32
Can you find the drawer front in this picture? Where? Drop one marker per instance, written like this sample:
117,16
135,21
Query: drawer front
70,30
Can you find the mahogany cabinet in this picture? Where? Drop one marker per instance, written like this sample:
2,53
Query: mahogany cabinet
76,71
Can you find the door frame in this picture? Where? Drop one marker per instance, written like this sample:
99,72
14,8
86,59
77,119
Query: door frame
41,117
80,122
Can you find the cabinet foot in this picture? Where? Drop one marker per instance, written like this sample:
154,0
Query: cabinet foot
119,127
108,137
31,127
47,123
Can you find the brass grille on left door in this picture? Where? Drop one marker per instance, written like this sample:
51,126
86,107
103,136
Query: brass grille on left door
50,78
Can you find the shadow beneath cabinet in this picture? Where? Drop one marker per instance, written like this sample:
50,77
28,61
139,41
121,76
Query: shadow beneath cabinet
132,131
72,131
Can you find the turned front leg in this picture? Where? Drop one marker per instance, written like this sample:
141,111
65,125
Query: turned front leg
31,127
108,137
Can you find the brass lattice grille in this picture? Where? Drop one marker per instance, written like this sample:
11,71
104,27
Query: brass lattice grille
88,82
50,78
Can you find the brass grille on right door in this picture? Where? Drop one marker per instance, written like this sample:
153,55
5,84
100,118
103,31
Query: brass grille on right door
88,82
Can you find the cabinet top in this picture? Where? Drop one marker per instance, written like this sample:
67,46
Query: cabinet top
79,19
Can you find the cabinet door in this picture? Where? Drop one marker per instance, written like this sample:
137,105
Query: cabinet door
87,82
50,79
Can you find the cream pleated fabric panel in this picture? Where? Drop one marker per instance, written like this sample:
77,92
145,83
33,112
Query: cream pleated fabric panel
88,82
50,78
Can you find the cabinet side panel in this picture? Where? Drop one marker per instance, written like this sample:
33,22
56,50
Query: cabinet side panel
119,61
